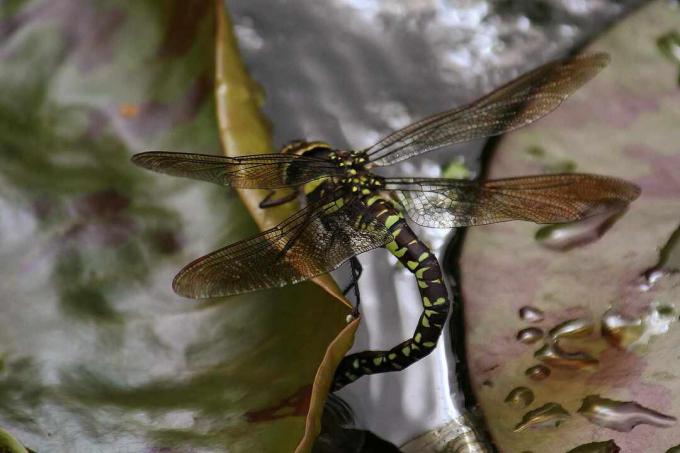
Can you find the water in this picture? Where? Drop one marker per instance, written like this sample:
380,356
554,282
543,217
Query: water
550,415
538,372
573,328
529,335
566,236
531,314
627,332
669,263
622,415
551,354
520,397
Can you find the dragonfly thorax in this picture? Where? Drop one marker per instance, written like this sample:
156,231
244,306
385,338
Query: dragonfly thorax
357,178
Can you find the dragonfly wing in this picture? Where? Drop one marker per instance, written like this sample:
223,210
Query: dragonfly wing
312,242
259,171
516,104
450,203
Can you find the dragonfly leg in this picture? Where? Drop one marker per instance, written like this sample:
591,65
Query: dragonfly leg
267,202
357,270
419,259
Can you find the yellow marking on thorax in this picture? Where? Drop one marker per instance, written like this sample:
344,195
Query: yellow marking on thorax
311,185
372,200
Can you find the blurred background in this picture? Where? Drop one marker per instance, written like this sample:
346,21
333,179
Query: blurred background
98,355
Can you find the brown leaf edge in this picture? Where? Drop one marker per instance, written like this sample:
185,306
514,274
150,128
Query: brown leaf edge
322,383
244,130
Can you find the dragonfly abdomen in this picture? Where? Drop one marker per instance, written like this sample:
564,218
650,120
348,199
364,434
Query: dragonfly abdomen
419,259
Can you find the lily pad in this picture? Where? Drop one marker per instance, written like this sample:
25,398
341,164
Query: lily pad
623,123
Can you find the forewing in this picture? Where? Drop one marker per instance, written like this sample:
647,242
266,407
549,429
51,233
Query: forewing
514,105
260,171
449,203
312,242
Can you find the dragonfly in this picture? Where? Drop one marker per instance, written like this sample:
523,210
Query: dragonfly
350,209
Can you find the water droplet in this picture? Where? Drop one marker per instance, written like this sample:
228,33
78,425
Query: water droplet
621,415
529,335
566,236
538,372
669,262
650,277
531,314
553,355
608,446
550,415
520,397
625,332
573,328
619,330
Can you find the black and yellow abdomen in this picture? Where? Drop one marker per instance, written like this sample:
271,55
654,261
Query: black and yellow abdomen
418,259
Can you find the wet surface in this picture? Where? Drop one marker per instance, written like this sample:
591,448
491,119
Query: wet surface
633,320
578,234
538,372
669,263
572,328
622,415
550,415
520,397
553,355
626,331
531,314
529,335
